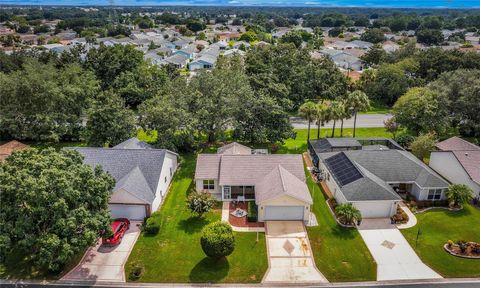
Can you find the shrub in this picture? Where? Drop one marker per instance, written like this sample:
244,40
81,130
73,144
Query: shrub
405,140
152,226
348,213
217,240
252,215
136,272
200,202
459,194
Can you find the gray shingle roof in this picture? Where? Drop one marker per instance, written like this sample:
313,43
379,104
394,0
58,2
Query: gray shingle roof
281,182
135,170
394,166
133,143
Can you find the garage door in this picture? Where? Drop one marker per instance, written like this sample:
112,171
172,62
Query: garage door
374,210
284,212
133,212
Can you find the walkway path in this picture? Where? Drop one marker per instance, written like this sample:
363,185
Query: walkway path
290,257
412,219
395,258
363,121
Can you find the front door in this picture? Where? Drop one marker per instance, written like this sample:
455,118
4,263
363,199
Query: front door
227,193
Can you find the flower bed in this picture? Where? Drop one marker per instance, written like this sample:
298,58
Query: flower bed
400,217
463,249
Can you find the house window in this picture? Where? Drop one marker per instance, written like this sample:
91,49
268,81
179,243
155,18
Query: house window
434,194
208,184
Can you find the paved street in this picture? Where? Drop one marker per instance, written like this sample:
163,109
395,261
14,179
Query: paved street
102,263
363,121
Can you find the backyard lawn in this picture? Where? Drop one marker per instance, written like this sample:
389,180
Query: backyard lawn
175,255
436,228
340,253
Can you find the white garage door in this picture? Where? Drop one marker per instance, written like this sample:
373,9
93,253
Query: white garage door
374,209
133,212
284,212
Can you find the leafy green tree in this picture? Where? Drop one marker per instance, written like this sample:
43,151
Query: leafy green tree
387,84
217,240
419,110
200,202
140,84
109,121
430,36
356,101
195,25
458,92
321,115
308,111
53,206
459,194
348,213
108,62
373,35
294,37
391,126
43,103
423,145
375,55
248,36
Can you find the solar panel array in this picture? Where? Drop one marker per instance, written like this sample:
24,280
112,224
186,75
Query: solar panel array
342,169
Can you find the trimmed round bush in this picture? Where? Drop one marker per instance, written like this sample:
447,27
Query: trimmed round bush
217,240
152,227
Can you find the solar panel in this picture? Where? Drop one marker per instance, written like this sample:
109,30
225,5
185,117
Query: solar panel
342,169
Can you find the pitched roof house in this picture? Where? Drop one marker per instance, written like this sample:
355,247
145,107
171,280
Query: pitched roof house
372,173
275,182
8,148
459,162
142,175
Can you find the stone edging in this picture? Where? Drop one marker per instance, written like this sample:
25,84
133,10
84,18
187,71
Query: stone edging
458,255
444,208
336,219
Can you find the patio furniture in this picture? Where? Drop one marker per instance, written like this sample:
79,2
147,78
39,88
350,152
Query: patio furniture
239,213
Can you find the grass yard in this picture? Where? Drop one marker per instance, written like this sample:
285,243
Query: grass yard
377,108
175,255
299,144
436,228
340,253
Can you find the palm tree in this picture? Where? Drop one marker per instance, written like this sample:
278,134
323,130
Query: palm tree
335,112
458,194
308,111
357,101
343,114
348,213
321,116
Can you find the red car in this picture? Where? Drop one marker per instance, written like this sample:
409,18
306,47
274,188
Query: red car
119,227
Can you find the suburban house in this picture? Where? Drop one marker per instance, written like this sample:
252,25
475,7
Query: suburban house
459,162
373,174
142,175
8,148
275,182
206,61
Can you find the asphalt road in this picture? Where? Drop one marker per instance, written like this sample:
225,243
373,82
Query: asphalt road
363,121
441,283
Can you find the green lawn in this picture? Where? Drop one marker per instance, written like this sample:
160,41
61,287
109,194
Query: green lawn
340,253
175,255
436,228
377,108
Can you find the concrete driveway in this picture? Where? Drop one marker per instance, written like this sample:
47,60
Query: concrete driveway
290,257
396,260
102,263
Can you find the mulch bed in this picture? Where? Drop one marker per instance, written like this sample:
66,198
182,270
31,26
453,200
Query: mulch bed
241,221
470,250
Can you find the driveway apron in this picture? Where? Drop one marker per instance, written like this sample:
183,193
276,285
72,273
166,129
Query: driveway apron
289,254
396,260
102,263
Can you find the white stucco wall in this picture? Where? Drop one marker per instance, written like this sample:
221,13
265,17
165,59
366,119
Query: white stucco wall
217,192
170,163
447,165
376,209
284,200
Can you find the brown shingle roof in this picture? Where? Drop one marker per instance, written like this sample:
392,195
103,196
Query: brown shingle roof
249,169
470,160
281,182
457,144
7,148
234,148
